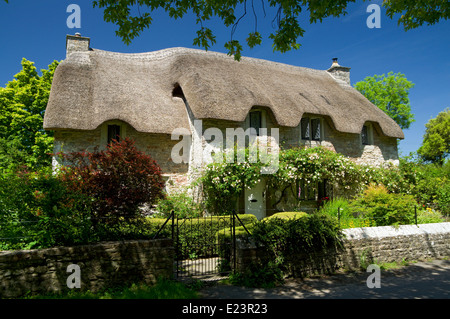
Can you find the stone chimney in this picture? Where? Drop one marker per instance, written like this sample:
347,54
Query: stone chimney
340,73
76,43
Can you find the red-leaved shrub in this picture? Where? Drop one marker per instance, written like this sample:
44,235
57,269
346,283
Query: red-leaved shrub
118,180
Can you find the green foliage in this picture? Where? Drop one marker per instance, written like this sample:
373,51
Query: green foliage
223,182
118,180
436,141
163,289
287,215
198,236
132,17
181,204
258,275
428,215
337,206
307,234
390,94
293,242
315,164
23,141
414,15
340,209
37,210
385,208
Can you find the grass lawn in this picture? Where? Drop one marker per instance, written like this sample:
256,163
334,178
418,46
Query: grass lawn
163,289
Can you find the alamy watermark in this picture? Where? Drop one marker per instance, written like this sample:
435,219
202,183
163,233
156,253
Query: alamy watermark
74,19
374,279
374,19
74,279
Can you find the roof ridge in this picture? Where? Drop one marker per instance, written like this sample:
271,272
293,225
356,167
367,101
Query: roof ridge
177,51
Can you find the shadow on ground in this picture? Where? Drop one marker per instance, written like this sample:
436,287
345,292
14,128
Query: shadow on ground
422,280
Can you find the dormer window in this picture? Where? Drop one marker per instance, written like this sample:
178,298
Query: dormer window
311,129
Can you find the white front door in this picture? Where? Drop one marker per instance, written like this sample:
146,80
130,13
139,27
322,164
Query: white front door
255,202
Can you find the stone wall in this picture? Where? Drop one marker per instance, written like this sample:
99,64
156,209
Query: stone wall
364,245
158,146
101,265
390,244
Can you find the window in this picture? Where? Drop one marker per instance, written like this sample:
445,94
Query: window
366,135
315,125
311,129
313,191
256,121
113,133
305,128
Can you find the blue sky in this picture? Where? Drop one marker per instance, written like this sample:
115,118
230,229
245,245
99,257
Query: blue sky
36,30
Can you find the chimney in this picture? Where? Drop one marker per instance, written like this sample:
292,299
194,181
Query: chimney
340,73
76,43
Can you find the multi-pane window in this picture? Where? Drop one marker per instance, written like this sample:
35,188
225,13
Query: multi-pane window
311,129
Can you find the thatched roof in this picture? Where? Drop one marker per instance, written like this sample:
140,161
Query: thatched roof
94,86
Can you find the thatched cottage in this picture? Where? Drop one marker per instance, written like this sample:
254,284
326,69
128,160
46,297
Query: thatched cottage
97,94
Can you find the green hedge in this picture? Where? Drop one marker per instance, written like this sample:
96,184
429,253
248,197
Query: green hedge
198,236
287,215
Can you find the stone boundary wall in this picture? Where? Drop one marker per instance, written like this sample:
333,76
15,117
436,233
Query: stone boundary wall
102,265
395,244
368,245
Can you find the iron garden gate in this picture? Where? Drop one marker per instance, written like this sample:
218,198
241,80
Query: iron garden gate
205,247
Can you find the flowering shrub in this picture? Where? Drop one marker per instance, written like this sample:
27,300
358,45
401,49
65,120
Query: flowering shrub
118,180
223,182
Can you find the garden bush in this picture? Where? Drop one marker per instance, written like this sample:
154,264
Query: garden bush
294,243
37,210
340,209
118,180
287,215
181,204
428,215
259,275
384,208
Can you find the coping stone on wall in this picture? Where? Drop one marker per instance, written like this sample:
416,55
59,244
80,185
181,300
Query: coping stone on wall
392,231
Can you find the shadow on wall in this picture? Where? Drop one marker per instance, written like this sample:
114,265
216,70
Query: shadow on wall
103,265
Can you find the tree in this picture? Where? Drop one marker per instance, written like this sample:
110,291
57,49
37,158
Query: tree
288,30
23,141
436,141
127,14
390,94
118,179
